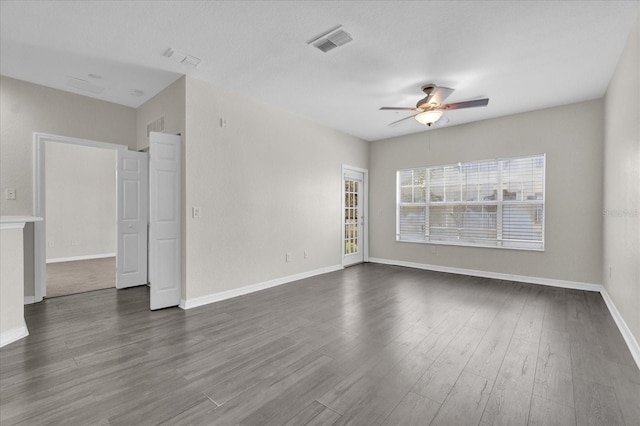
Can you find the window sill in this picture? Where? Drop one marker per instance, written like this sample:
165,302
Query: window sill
477,245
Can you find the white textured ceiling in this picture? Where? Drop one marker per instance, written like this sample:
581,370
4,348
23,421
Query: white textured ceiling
522,55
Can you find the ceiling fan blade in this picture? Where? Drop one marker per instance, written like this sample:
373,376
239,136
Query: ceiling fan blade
395,123
467,104
441,122
399,109
439,95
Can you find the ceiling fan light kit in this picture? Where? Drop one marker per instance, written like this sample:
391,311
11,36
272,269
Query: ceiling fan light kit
428,117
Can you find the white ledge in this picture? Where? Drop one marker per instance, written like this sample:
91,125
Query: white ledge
18,219
13,222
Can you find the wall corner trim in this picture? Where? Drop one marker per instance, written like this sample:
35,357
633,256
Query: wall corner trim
229,294
575,285
13,335
628,337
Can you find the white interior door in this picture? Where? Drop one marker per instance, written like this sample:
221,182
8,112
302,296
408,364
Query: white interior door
133,214
165,258
353,224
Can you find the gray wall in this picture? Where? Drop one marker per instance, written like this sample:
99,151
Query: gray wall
81,200
621,274
168,104
26,108
11,306
267,184
572,138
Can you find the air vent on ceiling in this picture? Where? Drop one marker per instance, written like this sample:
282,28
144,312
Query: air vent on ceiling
156,125
191,60
331,39
78,83
182,58
325,45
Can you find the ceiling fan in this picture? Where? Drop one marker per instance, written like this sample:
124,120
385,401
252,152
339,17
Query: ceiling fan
430,109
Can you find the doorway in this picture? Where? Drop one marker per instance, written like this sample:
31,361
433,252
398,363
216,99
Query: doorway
80,217
354,216
71,240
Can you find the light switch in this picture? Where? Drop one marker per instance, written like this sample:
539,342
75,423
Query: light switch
10,194
196,212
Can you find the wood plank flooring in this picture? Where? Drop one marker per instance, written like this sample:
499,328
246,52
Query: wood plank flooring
79,276
370,345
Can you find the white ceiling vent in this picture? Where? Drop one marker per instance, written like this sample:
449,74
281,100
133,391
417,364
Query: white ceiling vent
182,58
156,125
331,39
78,83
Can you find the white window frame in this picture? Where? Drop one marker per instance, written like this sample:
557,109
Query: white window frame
499,203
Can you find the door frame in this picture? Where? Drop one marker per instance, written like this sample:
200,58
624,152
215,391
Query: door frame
365,210
39,201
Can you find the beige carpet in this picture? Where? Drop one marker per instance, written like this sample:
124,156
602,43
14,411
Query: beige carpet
79,276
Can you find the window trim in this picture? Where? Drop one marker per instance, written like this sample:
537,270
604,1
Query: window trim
498,242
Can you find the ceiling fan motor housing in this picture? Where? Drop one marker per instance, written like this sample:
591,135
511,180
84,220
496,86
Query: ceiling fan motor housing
423,104
428,89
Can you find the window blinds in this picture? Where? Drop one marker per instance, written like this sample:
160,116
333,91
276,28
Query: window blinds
496,203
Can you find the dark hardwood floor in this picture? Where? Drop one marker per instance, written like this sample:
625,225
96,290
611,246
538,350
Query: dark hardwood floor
369,345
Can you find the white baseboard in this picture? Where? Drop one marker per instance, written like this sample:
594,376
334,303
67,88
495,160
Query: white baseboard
229,294
495,275
86,257
632,343
14,334
29,300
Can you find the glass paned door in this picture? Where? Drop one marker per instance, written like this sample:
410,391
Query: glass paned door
353,215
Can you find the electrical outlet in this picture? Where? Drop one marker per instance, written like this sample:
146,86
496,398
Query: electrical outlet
51,244
196,212
287,257
306,254
434,249
10,194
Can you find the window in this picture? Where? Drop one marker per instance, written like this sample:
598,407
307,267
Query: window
495,203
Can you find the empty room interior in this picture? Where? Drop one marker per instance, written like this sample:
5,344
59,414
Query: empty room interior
320,213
